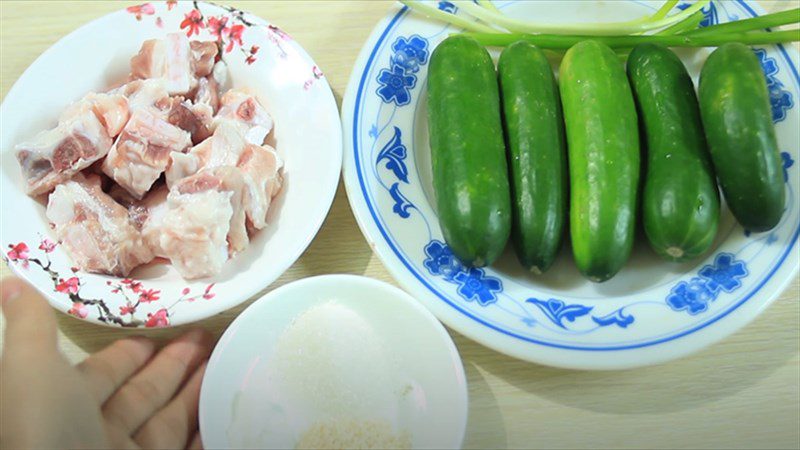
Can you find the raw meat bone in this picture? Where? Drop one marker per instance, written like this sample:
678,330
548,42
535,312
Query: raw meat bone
260,167
194,117
176,60
240,106
142,151
202,224
83,136
96,231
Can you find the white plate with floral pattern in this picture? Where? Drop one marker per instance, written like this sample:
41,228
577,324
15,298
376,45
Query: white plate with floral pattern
260,56
652,311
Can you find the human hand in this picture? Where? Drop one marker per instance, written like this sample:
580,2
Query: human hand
124,396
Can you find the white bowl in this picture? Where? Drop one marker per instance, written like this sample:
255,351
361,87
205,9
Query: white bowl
307,131
650,312
426,394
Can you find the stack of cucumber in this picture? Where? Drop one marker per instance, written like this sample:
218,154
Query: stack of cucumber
515,157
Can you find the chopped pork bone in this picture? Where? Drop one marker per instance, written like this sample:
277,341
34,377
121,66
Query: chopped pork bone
221,149
221,179
193,231
194,118
106,156
143,93
142,151
54,156
207,93
95,230
203,55
176,60
110,109
151,212
261,169
239,106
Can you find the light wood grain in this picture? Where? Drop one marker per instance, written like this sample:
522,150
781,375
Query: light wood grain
741,393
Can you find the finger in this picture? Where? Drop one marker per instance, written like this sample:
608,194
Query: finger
109,368
156,384
30,323
176,423
196,443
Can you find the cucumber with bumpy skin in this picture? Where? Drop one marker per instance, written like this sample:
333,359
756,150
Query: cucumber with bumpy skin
603,147
680,199
734,104
537,163
470,175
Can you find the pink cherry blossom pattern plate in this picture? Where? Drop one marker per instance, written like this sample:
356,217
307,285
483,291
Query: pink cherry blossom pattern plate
259,56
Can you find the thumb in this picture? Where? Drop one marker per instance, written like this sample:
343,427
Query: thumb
30,323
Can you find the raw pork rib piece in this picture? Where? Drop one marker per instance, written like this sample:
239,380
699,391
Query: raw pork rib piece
196,118
203,55
110,109
261,169
222,179
96,231
141,152
193,232
54,156
240,106
175,60
221,149
204,222
152,210
208,87
143,93
259,166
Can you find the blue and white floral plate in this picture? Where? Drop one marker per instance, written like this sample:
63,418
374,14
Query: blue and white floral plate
652,311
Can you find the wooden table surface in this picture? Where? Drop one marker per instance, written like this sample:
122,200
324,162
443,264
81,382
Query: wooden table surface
742,392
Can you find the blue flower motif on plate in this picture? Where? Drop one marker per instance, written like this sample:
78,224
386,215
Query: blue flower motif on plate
397,82
441,261
692,296
557,311
780,98
448,7
695,295
787,162
396,85
710,16
476,285
615,318
410,53
724,274
401,203
473,282
394,152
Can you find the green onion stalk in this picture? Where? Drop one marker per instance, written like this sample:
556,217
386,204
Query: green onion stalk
491,27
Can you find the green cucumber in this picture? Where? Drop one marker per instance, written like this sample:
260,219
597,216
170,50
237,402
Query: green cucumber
470,175
734,104
680,200
537,162
603,142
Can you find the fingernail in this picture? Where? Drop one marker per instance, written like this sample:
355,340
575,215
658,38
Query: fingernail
11,290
